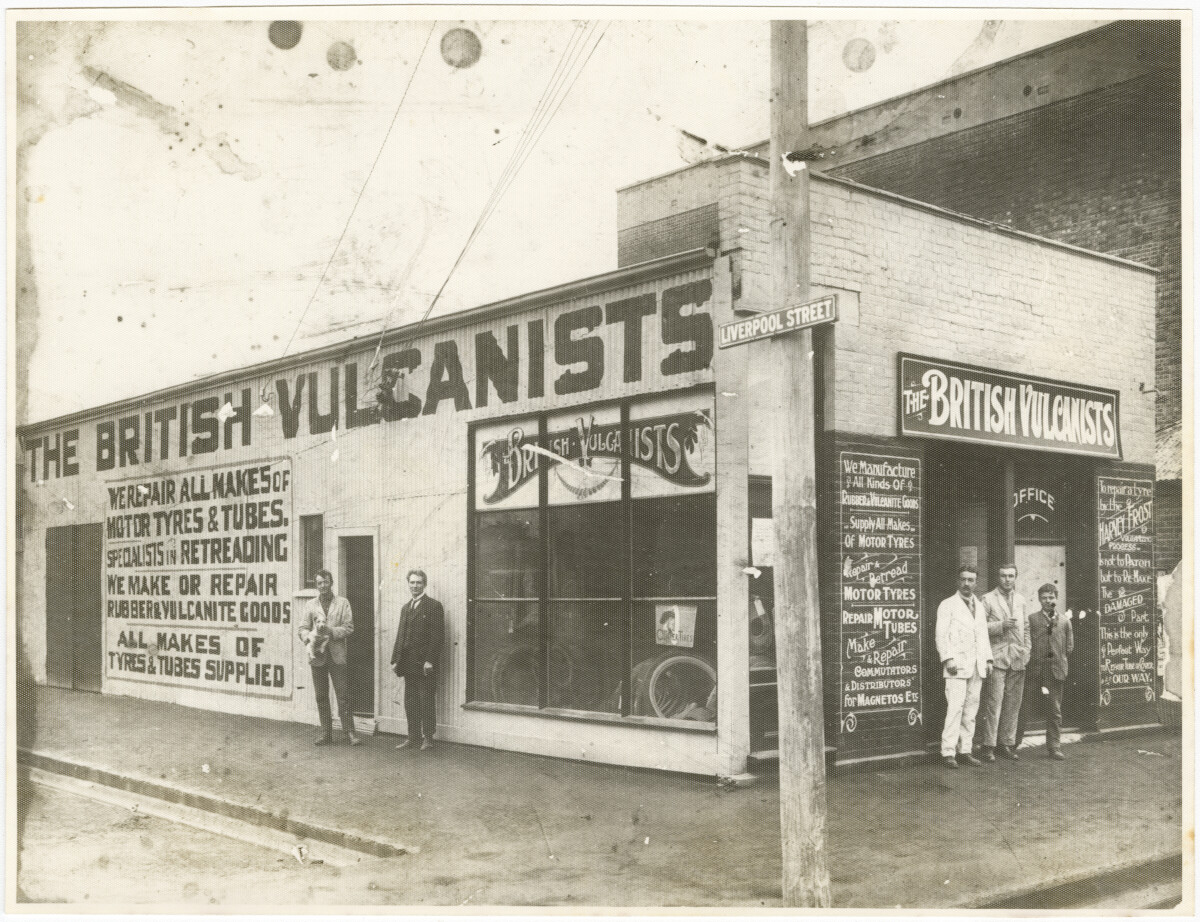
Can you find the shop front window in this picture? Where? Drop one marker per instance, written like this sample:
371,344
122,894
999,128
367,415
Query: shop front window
602,597
506,663
506,628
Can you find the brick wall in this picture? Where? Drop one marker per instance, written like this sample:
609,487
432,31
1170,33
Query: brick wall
1100,171
667,236
927,282
933,284
1168,522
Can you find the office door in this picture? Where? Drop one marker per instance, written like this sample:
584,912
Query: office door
1038,564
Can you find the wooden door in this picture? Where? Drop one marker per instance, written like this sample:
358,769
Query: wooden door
358,585
60,606
74,615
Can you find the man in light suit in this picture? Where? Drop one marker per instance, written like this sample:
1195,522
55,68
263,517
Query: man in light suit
1053,641
966,653
415,657
328,617
1000,700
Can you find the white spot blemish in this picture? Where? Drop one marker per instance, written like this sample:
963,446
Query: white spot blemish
102,96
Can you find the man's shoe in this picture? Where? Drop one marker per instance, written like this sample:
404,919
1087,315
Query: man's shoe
1057,754
948,762
323,741
426,744
988,754
1008,752
967,759
354,740
407,744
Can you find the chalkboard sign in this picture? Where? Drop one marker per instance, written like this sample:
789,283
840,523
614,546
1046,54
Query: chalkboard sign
1125,519
879,694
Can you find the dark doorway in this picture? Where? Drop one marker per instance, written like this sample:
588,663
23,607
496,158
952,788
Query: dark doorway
358,568
964,516
74,616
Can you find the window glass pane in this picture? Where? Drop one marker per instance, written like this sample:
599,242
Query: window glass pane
589,441
312,548
586,665
506,653
674,663
672,449
675,547
587,558
506,466
507,555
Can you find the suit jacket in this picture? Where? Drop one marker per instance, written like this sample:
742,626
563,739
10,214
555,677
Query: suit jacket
418,636
1010,645
339,620
1050,648
962,639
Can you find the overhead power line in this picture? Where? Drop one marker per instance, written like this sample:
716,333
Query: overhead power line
578,51
362,189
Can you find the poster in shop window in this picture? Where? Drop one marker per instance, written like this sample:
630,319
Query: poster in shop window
197,573
675,625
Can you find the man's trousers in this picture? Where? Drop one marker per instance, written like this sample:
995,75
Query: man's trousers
339,675
962,701
1000,706
420,692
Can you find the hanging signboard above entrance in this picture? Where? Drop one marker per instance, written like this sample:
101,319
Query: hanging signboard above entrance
784,320
946,400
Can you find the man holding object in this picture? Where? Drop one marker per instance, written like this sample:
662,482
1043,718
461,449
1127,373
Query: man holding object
414,659
327,621
965,650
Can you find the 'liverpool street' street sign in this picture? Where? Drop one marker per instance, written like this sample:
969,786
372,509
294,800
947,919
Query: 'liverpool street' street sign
784,320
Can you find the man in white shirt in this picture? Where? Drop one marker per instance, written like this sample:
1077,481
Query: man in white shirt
966,654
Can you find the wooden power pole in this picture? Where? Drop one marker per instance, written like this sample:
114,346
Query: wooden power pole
794,504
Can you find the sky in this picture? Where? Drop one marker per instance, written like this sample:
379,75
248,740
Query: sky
198,196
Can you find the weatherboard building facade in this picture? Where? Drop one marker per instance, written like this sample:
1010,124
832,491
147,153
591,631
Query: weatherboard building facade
583,474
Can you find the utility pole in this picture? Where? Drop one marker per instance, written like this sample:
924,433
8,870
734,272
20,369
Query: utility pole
794,504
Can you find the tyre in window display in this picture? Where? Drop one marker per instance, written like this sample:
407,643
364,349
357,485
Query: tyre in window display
678,686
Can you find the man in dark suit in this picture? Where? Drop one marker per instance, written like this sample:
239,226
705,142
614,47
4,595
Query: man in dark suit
415,657
1052,642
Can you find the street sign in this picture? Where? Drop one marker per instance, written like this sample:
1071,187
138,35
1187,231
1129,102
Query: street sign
784,320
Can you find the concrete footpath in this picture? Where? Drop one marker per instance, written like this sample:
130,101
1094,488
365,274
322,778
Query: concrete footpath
466,826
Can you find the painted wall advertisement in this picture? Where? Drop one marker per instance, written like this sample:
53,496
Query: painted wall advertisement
197,579
947,400
880,567
1125,518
